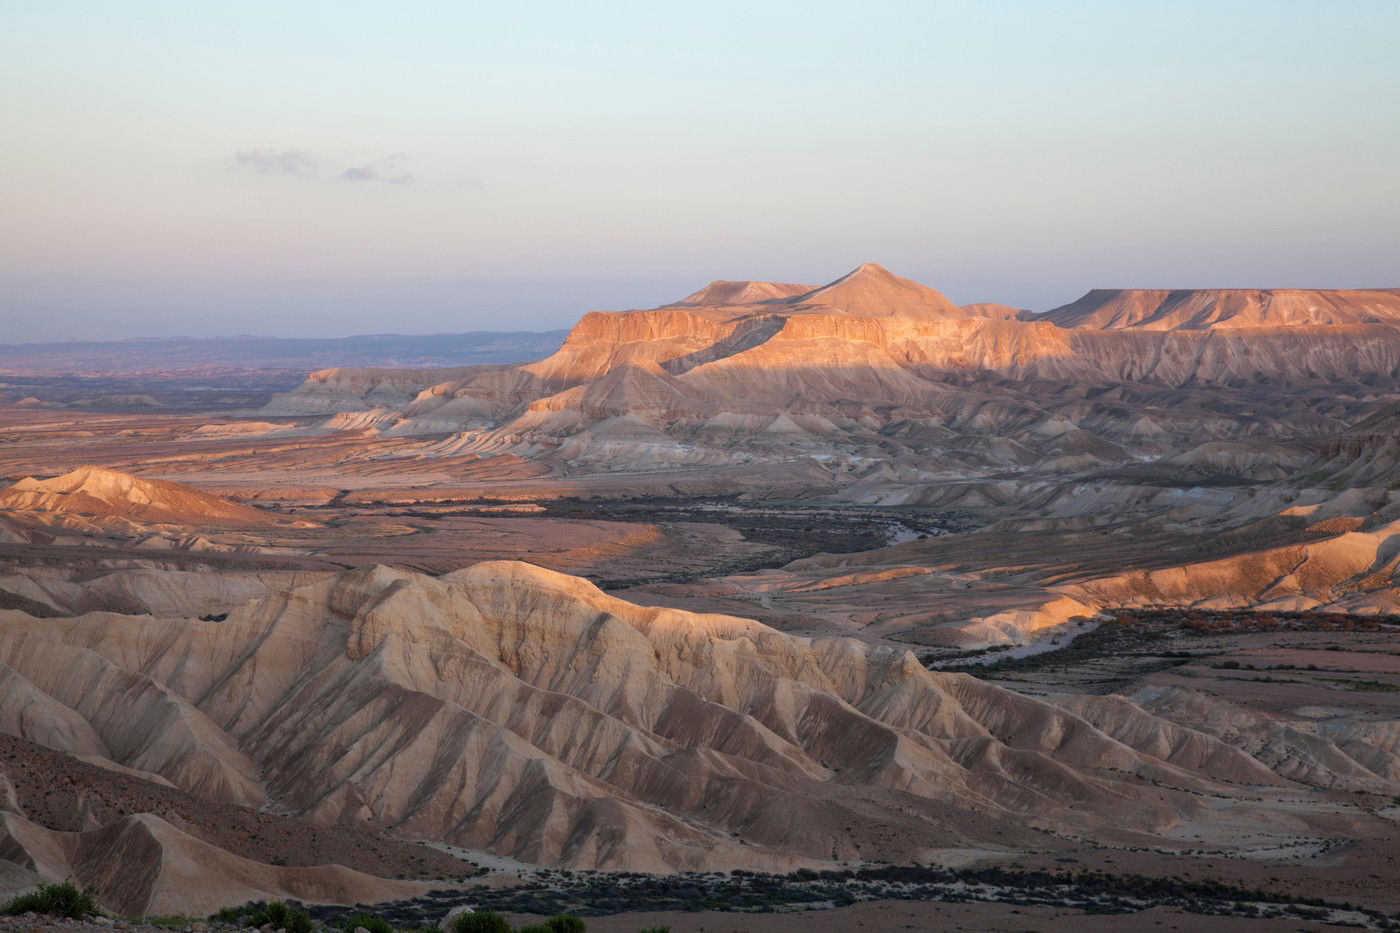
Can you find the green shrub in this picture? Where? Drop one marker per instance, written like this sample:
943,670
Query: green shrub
483,921
559,923
566,923
59,900
369,921
279,914
656,930
230,914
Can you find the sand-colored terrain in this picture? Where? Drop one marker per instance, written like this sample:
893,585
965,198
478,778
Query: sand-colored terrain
853,375
771,577
1206,308
544,720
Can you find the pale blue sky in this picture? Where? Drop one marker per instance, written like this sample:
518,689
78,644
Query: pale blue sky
334,168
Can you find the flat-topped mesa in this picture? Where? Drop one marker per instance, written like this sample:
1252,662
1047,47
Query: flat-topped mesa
727,294
602,340
713,324
872,346
1227,308
342,389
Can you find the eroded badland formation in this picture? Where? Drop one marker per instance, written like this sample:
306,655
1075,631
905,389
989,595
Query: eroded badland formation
773,578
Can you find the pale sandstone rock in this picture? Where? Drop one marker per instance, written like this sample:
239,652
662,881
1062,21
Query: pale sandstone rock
508,708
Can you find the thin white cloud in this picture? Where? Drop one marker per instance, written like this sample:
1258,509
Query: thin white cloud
388,169
298,163
268,161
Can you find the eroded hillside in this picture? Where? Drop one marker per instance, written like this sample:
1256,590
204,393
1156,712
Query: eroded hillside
1156,534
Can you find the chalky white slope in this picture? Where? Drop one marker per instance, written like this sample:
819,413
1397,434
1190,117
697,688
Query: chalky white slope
512,709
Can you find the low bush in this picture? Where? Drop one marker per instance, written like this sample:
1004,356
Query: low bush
280,915
55,900
559,923
481,921
351,922
229,914
565,923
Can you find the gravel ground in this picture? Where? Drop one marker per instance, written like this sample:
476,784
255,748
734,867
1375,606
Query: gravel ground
28,922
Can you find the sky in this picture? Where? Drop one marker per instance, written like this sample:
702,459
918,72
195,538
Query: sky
325,169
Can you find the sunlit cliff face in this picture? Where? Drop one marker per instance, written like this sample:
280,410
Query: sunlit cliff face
860,361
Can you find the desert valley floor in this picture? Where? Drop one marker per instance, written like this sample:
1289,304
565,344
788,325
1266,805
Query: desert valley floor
776,598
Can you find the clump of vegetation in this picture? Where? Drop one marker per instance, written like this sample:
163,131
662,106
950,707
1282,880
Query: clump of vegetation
283,917
1157,634
54,900
481,921
352,922
488,921
278,914
1234,621
565,923
227,915
1366,686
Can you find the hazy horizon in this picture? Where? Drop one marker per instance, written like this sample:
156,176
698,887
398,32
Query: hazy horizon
565,321
173,337
319,170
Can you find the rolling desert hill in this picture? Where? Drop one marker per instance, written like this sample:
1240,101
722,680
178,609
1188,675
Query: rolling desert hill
876,390
511,709
872,578
148,848
97,507
93,497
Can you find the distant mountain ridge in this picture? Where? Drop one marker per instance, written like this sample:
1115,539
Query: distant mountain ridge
1227,308
278,353
869,290
874,373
